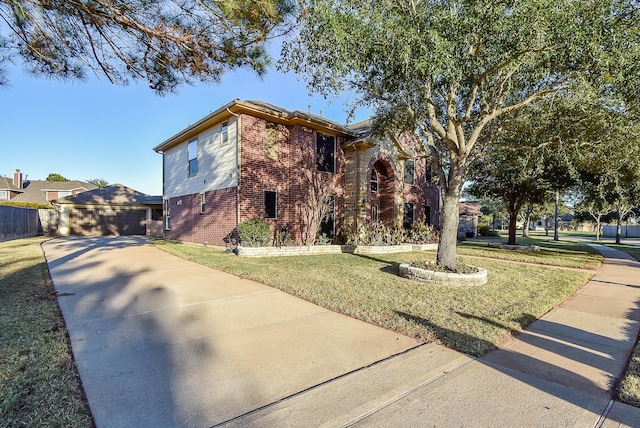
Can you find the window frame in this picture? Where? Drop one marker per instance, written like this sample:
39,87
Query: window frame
374,173
275,205
224,133
203,200
4,194
410,179
326,166
192,171
167,221
405,224
375,213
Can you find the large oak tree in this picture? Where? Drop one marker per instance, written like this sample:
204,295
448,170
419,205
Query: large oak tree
448,70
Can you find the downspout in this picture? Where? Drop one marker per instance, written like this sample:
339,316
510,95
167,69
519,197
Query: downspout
238,139
356,207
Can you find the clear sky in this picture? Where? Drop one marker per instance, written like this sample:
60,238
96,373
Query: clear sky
93,129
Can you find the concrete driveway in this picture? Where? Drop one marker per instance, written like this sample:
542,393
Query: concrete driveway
160,341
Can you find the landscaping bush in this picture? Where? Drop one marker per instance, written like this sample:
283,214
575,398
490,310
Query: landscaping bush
379,234
254,233
422,233
483,230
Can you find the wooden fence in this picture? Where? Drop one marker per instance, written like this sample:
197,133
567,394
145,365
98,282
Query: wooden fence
17,222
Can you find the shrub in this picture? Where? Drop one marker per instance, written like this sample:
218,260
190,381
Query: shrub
32,205
422,233
254,233
483,230
379,234
282,236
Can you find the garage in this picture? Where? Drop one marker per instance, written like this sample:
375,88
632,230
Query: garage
114,210
107,221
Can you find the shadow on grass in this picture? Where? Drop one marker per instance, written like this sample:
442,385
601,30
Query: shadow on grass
391,267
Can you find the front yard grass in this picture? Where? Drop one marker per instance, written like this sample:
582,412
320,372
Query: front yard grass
629,388
555,253
469,319
38,378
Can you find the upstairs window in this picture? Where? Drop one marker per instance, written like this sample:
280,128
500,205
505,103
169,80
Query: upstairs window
409,171
224,133
374,180
192,152
270,204
326,153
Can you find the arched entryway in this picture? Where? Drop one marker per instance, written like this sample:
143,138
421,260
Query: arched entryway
381,207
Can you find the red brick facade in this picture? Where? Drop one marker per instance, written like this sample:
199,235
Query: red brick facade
287,173
188,224
276,153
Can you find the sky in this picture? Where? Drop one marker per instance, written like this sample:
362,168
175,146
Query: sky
93,129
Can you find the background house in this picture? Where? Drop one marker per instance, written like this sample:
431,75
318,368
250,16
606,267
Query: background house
39,191
469,214
251,159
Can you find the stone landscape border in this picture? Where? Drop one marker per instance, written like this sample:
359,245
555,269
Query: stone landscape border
466,280
332,249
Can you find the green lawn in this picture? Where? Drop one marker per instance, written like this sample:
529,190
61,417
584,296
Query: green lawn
629,389
472,320
556,253
38,378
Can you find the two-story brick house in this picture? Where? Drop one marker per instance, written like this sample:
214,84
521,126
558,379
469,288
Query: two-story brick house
250,159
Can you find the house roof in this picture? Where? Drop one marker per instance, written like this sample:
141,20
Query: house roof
36,190
470,208
7,184
257,109
115,194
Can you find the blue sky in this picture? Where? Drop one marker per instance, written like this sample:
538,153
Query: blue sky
93,129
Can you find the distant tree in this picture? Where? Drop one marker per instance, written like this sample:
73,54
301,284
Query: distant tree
449,70
99,182
165,42
56,177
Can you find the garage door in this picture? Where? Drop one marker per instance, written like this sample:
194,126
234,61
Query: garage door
101,222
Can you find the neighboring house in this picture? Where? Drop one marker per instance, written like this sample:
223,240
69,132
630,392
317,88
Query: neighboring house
40,191
469,214
9,188
112,210
250,159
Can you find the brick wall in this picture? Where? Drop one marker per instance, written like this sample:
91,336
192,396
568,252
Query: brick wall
211,227
286,170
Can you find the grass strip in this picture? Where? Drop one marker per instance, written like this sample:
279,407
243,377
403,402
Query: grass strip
469,319
629,388
38,378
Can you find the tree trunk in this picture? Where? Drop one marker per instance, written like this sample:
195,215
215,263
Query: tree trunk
513,223
527,220
446,255
619,228
598,228
555,217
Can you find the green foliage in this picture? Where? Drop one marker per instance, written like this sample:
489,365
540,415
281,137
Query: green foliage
378,234
166,43
56,177
33,205
449,71
99,182
254,233
282,237
422,233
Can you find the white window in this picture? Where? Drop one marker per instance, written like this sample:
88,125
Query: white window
192,152
374,180
62,194
167,223
224,134
3,194
202,201
375,213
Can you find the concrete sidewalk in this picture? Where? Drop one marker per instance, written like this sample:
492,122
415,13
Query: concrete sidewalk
160,341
